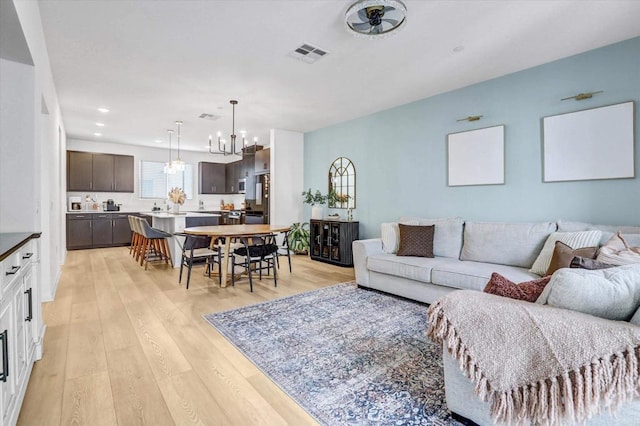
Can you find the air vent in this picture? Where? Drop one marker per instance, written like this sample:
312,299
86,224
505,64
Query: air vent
308,53
211,117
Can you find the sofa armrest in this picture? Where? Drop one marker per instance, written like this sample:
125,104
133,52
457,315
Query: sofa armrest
361,250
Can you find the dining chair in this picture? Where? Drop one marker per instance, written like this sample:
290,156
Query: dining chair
197,248
256,254
284,250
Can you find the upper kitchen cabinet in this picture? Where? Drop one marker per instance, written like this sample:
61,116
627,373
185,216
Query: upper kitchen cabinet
123,173
87,171
211,178
262,161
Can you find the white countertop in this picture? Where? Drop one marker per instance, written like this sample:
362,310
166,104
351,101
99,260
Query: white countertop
165,215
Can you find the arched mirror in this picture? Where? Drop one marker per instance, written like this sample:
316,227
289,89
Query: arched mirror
342,184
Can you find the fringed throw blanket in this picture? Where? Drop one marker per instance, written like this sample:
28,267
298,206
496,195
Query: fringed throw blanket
536,363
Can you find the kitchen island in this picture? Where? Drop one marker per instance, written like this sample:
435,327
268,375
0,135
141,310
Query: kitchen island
172,223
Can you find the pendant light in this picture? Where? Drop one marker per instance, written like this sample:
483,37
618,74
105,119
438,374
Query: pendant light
178,164
168,166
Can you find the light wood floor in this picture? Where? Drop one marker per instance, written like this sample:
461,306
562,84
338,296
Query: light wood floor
128,346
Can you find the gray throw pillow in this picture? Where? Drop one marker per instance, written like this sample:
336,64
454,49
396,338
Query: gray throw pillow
588,263
612,293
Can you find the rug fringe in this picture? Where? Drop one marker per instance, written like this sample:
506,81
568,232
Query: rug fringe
573,396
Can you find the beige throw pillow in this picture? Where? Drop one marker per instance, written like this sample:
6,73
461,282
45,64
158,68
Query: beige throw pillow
390,235
616,251
575,240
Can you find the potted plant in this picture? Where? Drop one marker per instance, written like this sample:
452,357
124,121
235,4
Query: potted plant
316,200
299,238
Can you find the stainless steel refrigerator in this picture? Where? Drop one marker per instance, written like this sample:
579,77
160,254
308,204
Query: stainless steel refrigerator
261,203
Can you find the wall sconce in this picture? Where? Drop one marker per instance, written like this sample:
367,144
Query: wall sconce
471,118
582,96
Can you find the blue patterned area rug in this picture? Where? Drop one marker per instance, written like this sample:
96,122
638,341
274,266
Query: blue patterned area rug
348,356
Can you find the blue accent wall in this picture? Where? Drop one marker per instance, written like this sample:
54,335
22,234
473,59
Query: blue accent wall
400,153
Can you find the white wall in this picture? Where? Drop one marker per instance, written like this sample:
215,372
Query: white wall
18,201
132,201
287,176
32,200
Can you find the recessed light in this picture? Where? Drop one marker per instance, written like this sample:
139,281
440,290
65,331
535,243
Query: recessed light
458,49
103,110
158,141
97,134
100,124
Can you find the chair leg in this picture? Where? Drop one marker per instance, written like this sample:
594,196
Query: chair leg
167,251
181,266
144,251
189,271
289,258
275,274
248,263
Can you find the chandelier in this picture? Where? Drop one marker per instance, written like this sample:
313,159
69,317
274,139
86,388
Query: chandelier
231,148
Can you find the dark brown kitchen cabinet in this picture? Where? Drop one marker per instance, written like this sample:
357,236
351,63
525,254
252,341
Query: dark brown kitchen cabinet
262,161
121,230
123,173
79,231
102,230
96,172
102,172
79,171
331,241
211,178
91,230
232,174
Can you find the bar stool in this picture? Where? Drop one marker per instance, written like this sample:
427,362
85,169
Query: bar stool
156,241
140,241
134,235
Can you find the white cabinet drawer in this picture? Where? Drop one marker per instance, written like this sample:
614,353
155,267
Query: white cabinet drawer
30,252
11,267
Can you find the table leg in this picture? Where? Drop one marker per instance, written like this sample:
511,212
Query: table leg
225,261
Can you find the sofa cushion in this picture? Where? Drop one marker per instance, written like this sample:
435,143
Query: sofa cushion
529,291
574,240
415,240
475,275
563,256
410,267
617,251
612,293
607,230
514,244
447,238
390,235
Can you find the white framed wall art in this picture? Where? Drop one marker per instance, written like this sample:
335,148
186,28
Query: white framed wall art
476,157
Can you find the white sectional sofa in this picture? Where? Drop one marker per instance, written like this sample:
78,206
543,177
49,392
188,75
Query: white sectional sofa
466,254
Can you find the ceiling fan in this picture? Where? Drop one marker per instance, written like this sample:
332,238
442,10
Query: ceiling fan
375,18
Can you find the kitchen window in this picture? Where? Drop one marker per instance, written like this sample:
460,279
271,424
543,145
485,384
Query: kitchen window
154,183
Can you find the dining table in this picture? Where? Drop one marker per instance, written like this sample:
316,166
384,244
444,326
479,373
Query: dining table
229,232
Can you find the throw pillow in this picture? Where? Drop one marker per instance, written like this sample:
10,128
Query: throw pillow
390,235
416,240
616,251
585,263
528,290
612,293
563,254
572,239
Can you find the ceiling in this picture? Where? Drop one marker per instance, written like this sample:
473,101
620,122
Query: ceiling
154,62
